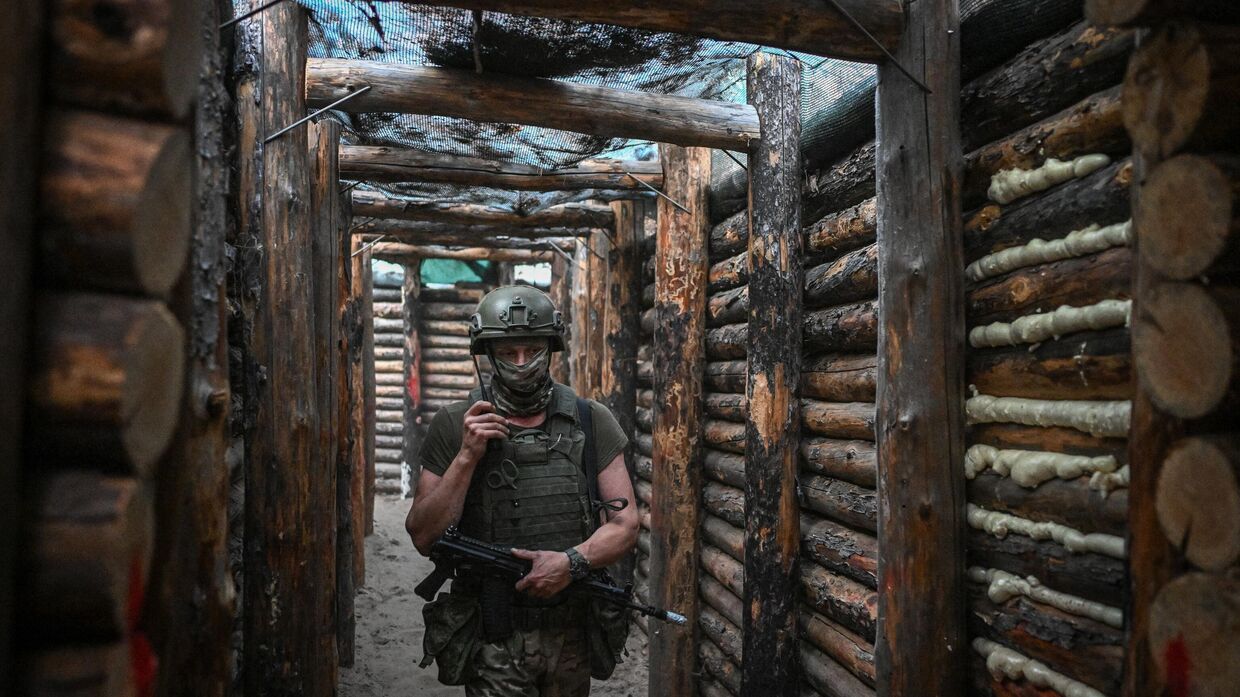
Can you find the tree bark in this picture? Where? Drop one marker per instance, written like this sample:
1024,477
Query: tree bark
849,460
376,204
360,421
840,501
830,678
838,419
412,374
840,549
850,651
1069,502
1077,281
851,327
1090,365
841,599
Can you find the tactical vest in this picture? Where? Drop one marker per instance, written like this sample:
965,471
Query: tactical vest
532,492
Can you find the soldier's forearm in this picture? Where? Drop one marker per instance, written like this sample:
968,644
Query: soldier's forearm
610,541
442,505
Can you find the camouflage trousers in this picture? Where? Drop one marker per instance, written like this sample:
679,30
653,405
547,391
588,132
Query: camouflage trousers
533,663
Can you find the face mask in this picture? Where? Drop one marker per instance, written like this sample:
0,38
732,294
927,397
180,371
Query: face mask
522,390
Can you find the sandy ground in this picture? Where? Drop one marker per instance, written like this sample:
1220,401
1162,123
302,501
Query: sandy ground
389,623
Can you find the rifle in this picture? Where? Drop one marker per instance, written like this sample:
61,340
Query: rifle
495,563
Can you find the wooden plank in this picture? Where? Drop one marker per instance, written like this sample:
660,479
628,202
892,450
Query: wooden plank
403,253
380,163
412,370
495,97
817,28
287,480
449,234
922,648
679,353
773,419
376,204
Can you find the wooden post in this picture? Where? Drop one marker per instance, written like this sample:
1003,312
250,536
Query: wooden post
21,59
773,423
412,356
368,390
581,319
561,295
623,331
922,647
346,537
356,330
679,357
290,484
598,356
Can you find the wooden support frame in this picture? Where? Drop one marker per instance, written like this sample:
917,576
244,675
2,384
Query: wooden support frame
290,506
378,163
561,295
682,261
814,28
494,97
772,386
358,415
448,234
403,253
411,355
375,204
580,292
599,354
365,257
922,646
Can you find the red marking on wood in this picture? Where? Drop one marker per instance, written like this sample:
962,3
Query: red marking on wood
137,593
414,387
1179,666
144,663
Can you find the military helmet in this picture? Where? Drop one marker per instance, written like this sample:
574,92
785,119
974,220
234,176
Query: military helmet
515,312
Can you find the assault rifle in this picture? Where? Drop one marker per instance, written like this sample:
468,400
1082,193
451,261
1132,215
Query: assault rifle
495,563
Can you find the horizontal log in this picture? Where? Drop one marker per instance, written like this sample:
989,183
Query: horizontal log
720,631
101,670
723,275
1102,198
717,664
1070,502
389,403
830,678
1088,575
725,376
376,204
448,381
728,503
849,460
838,419
388,471
644,492
725,342
404,253
106,381
444,393
445,328
723,569
728,307
393,165
1090,365
454,294
86,557
1093,125
115,203
388,339
850,651
388,441
447,368
387,428
730,236
724,435
137,58
1047,439
1188,217
726,406
387,310
727,468
442,340
853,276
389,366
389,379
841,599
840,549
821,30
384,325
851,327
386,295
643,467
494,97
644,443
1042,80
839,378
1079,281
721,599
448,311
840,501
390,455
388,391
445,354
843,231
481,237
644,418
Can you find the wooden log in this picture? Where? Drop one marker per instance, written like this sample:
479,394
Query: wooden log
1188,217
1083,649
1178,89
114,669
841,501
387,379
448,367
841,599
1047,439
376,204
852,327
1069,502
850,651
453,382
370,381
839,378
106,379
680,289
448,328
1087,575
724,275
1186,348
840,549
529,101
1193,621
728,503
580,314
388,310
475,236
727,468
724,569
728,307
1046,77
443,341
847,182
854,276
403,253
392,165
83,574
1102,198
1198,470
136,57
720,666
721,599
1093,125
115,203
447,311
445,354
827,677
725,376
444,393
843,231
1078,282
413,363
455,294
722,633
287,651
838,419
390,295
730,236
724,435
596,313
355,329
1093,365
729,407
921,650
726,342
849,460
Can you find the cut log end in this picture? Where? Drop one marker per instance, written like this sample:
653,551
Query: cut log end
1194,628
1183,348
1184,216
1198,502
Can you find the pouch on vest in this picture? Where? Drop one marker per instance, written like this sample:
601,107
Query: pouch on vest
451,635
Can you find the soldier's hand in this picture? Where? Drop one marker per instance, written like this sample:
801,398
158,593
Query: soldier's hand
481,425
548,576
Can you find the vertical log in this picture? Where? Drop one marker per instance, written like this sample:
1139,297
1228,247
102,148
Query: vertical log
562,296
290,485
356,331
679,357
581,319
622,331
21,39
346,438
368,391
412,356
922,647
773,423
598,355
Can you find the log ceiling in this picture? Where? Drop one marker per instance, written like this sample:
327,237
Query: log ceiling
374,204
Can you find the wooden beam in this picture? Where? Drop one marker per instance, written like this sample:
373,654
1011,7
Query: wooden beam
495,97
402,253
376,204
290,506
773,419
581,319
679,355
404,229
376,163
356,330
364,259
815,28
597,356
922,647
561,295
411,355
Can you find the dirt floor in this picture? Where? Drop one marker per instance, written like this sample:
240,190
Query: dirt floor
389,623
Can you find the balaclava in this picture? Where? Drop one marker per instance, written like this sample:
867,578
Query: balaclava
522,390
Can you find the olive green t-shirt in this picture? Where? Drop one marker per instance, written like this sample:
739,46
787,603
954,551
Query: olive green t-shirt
443,436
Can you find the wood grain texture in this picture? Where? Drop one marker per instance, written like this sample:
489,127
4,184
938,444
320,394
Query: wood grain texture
377,204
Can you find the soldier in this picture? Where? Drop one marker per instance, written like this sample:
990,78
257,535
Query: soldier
512,465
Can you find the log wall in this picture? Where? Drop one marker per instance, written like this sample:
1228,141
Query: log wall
389,382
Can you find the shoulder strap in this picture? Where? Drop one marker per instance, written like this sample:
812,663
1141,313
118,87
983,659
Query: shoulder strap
589,458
